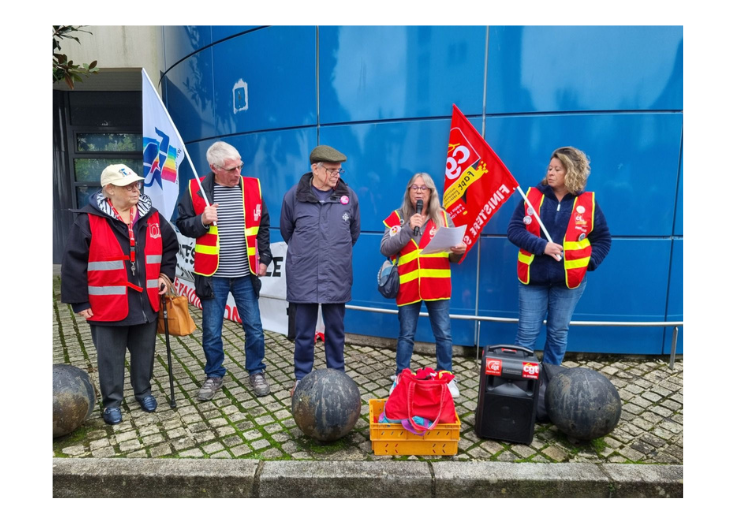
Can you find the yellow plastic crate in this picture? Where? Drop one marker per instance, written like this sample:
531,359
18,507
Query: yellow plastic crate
393,439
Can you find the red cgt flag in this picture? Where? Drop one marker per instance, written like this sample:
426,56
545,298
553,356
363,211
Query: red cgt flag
476,181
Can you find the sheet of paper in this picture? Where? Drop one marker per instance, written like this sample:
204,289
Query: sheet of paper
444,239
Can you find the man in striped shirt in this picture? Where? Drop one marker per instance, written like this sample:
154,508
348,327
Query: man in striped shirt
228,217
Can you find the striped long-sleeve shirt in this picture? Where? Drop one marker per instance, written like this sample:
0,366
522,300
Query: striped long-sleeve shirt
231,230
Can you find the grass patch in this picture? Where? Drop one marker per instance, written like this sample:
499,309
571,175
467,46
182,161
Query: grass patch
598,444
77,436
314,446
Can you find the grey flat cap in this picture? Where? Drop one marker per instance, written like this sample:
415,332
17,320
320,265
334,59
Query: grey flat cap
326,154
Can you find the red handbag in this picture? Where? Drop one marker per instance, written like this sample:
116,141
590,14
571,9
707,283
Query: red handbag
424,394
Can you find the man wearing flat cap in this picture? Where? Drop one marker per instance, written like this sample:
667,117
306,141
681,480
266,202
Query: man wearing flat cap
320,222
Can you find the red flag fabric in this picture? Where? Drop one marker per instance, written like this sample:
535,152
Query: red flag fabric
477,183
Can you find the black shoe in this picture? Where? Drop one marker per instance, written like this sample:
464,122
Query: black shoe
112,416
148,404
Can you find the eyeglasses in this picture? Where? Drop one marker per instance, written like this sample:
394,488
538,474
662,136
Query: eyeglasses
136,186
334,170
419,188
230,170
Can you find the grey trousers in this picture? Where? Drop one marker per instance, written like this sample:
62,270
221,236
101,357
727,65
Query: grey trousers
111,342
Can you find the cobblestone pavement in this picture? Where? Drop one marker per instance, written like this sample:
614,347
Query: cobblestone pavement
237,424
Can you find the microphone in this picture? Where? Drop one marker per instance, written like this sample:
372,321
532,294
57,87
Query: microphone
420,205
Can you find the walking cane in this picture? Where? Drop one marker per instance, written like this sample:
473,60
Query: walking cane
172,402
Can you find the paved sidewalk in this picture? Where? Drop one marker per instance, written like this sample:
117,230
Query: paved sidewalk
237,424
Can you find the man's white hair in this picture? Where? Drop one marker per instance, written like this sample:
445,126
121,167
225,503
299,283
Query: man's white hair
219,152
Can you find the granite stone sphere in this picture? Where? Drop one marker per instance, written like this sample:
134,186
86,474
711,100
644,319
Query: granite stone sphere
74,398
583,403
326,404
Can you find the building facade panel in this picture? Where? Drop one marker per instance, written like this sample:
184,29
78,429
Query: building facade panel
676,293
256,89
221,32
634,162
544,69
181,41
190,96
399,72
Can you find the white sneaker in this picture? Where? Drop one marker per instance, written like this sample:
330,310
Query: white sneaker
393,385
452,385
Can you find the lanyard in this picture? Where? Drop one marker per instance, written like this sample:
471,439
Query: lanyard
131,236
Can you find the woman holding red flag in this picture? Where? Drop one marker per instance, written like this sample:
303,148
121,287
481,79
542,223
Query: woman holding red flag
553,273
422,277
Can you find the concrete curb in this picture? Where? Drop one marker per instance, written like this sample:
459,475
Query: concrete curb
280,479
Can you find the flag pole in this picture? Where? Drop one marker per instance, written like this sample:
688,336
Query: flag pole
184,147
539,220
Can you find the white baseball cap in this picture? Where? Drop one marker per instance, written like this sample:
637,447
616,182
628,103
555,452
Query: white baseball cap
118,175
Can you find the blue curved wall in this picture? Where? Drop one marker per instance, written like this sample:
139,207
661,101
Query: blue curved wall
384,95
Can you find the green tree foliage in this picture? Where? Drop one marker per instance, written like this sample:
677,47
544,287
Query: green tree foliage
65,69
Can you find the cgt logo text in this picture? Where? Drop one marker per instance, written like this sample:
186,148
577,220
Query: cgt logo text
530,370
494,367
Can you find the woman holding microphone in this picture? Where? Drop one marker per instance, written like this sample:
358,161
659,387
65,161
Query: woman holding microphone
423,278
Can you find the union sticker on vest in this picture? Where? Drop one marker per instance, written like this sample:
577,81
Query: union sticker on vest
154,231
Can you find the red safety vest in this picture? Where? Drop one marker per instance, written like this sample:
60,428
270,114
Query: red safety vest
207,247
576,246
421,277
107,278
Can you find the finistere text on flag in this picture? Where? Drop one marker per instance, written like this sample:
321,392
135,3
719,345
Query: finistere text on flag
477,183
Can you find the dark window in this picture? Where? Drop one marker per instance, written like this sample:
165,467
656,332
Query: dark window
91,142
105,128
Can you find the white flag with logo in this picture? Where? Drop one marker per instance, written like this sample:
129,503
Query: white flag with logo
163,151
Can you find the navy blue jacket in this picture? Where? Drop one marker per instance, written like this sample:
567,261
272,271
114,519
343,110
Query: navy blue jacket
555,217
319,261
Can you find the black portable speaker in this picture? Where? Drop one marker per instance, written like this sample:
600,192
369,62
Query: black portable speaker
507,396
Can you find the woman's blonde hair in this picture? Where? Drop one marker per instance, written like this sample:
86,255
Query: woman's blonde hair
432,205
577,164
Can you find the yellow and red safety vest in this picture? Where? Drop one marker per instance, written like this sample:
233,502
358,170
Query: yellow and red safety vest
207,247
107,278
576,246
421,277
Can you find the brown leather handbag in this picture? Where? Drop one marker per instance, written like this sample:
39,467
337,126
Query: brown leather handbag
180,322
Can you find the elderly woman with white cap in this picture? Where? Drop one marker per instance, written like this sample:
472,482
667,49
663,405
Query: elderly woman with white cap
117,250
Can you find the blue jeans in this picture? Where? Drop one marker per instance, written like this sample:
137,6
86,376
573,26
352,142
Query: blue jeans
439,318
557,303
213,311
